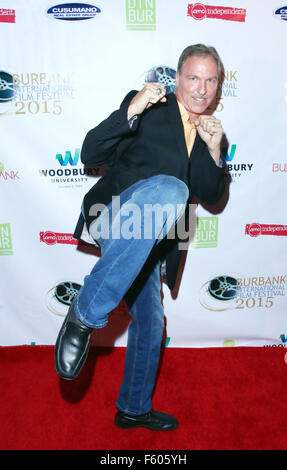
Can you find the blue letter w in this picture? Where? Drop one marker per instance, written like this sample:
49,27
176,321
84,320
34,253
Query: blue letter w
68,158
283,338
230,156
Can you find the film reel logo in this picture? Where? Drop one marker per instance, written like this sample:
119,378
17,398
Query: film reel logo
60,297
219,294
164,75
7,91
7,87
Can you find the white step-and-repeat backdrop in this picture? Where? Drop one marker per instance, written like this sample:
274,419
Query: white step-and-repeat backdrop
64,67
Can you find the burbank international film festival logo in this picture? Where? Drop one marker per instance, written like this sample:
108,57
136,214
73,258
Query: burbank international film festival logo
8,175
279,167
35,93
228,90
234,291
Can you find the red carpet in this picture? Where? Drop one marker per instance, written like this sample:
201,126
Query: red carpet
224,398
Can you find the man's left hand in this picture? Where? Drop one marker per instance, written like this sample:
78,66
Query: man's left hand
211,132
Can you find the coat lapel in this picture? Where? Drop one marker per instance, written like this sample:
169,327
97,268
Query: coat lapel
175,122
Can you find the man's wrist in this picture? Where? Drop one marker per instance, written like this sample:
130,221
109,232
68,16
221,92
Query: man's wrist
131,112
215,153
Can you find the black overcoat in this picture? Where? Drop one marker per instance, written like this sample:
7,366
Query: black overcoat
154,144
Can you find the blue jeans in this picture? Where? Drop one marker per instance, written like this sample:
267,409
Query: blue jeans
129,267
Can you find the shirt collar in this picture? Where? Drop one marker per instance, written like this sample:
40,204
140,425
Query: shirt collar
183,113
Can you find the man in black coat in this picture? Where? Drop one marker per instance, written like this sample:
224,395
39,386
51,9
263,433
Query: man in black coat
160,151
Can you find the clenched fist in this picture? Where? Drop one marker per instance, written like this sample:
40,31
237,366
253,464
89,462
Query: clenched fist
211,132
149,95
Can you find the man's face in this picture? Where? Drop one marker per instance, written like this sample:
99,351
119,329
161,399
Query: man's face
197,84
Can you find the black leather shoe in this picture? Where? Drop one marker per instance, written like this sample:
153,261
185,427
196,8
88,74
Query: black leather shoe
72,346
154,420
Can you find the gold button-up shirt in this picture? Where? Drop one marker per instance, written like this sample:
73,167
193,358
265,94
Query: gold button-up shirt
189,128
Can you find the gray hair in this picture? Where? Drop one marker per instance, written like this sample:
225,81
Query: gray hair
200,50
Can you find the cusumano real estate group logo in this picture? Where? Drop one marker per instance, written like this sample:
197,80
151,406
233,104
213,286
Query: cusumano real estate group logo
73,11
281,13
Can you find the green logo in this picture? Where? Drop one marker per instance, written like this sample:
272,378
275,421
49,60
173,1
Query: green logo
228,343
140,15
206,234
5,240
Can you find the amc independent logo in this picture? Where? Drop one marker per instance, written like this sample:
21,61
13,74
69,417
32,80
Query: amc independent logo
7,15
51,238
255,229
198,11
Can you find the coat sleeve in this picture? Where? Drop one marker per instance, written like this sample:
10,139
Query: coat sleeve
100,143
207,179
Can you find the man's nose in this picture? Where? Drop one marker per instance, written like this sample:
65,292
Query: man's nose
202,88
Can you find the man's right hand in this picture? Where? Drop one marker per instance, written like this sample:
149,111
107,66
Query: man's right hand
149,95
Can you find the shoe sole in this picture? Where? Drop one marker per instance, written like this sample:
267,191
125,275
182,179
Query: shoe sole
126,425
